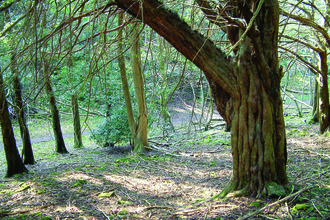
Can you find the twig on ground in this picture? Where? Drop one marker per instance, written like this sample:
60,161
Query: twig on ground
152,147
161,144
206,152
312,152
315,175
25,211
288,210
157,207
274,203
192,209
103,212
317,210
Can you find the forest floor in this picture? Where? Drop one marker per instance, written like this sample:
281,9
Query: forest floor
174,182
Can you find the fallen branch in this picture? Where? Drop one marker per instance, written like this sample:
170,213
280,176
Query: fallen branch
25,211
154,142
315,176
274,203
157,207
152,147
187,211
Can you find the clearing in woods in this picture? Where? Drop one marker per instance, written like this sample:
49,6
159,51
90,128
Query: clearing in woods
176,181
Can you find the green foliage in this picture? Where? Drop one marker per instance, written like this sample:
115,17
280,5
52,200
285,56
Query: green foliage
300,207
115,129
122,214
275,190
255,204
79,183
107,194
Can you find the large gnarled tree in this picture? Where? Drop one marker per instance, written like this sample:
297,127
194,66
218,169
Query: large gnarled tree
245,86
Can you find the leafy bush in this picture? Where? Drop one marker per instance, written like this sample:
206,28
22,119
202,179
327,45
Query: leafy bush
115,128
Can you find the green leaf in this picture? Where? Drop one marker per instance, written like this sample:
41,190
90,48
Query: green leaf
78,183
107,194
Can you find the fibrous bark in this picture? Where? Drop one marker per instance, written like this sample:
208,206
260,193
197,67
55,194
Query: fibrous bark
246,87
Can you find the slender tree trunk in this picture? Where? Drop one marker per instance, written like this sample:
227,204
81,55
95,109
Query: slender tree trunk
27,152
316,109
323,102
123,75
14,161
60,146
321,110
211,110
140,140
76,122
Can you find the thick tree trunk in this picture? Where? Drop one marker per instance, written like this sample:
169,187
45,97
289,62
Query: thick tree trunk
140,139
76,122
257,131
246,88
60,145
14,162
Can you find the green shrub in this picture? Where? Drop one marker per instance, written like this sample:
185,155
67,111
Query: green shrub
114,129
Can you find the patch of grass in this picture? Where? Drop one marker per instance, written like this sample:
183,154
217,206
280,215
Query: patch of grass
40,191
303,132
212,163
79,183
255,204
122,214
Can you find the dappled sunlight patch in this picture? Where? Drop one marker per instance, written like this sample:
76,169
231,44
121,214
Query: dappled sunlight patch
70,208
151,185
163,187
74,176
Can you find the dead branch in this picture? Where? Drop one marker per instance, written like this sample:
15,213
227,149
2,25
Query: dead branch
25,211
157,207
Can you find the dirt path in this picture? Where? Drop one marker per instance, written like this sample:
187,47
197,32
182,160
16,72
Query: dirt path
43,139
